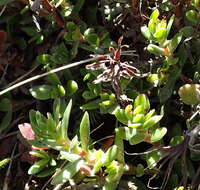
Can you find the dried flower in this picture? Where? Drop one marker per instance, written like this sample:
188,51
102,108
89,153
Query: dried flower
114,70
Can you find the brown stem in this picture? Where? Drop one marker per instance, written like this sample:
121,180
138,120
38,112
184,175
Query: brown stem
178,11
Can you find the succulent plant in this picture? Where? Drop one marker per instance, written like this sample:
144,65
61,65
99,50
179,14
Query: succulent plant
190,94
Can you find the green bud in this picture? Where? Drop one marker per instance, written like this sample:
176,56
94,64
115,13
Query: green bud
61,90
72,87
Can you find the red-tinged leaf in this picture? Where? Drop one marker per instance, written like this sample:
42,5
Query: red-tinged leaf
27,131
108,143
40,148
86,169
117,55
118,51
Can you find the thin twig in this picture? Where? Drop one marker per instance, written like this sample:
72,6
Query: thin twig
47,73
97,128
142,153
6,180
8,135
57,171
107,137
93,59
23,76
4,73
3,9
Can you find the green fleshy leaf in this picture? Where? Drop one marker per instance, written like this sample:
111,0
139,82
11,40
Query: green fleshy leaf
192,16
153,78
44,59
91,105
5,105
143,101
121,116
39,154
176,140
155,14
110,155
152,121
47,172
190,94
120,135
6,120
170,23
135,125
129,112
93,39
38,166
69,156
187,31
54,79
44,92
85,132
150,114
71,26
174,42
138,110
139,118
88,95
59,106
152,27
158,134
67,172
146,32
160,33
65,121
153,158
155,49
137,138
